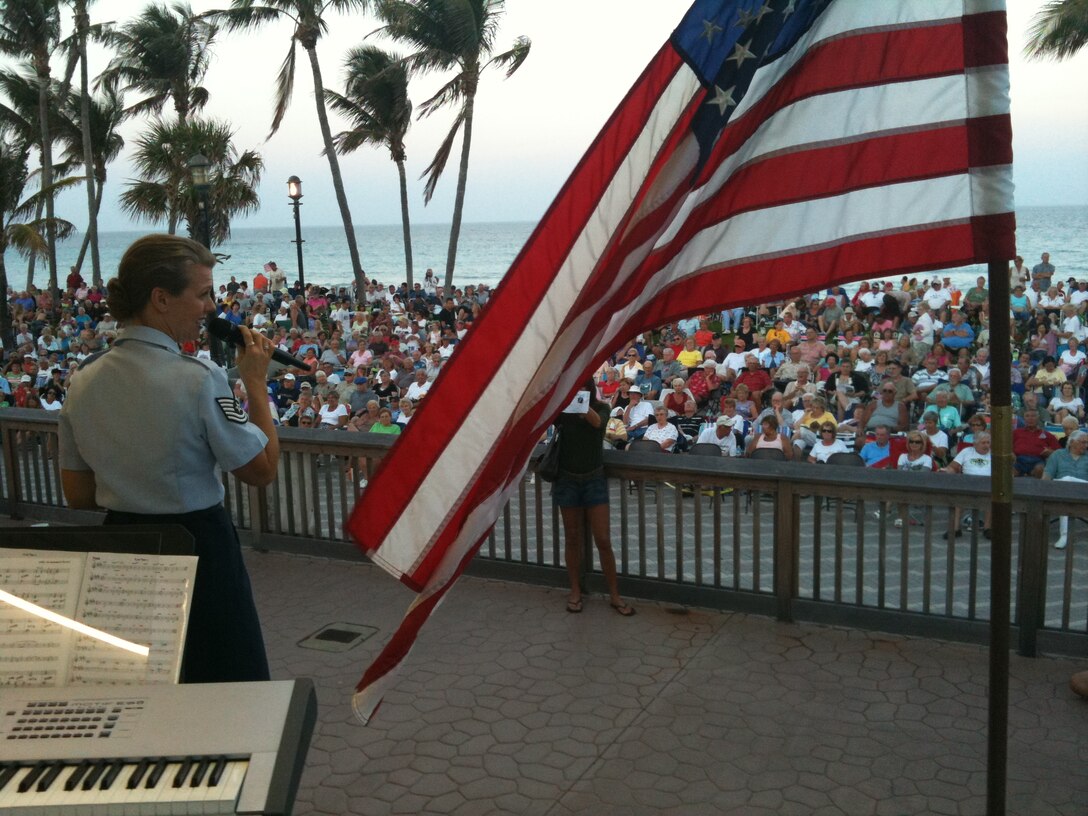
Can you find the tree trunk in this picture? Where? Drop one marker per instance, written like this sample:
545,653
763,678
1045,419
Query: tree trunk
459,200
88,149
100,186
42,66
334,168
32,261
405,223
7,330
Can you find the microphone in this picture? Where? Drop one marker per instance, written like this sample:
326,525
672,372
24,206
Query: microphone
229,333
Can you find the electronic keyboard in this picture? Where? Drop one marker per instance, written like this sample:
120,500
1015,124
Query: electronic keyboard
230,748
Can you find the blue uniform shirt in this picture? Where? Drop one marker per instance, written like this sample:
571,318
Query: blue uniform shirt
155,426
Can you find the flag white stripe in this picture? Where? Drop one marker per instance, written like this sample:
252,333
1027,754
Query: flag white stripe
428,508
842,19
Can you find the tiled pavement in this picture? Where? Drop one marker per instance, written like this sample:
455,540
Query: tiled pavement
510,705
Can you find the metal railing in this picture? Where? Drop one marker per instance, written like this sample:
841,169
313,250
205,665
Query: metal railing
800,542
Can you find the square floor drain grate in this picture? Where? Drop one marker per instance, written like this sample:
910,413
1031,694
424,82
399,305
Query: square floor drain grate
337,637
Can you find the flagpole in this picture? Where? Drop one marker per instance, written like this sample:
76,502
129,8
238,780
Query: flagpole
1000,537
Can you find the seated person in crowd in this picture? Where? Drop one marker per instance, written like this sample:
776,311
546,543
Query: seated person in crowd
948,415
755,378
1066,403
876,453
704,383
885,410
722,433
806,429
846,389
769,437
637,415
959,394
662,431
688,423
799,387
938,439
828,443
1031,445
957,334
928,377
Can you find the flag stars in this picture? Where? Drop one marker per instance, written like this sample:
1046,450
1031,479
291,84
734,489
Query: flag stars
723,99
790,8
710,28
744,18
763,12
741,53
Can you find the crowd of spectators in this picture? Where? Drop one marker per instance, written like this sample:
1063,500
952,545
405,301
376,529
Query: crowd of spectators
896,373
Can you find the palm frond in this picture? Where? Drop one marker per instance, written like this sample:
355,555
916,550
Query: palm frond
285,85
450,93
512,59
246,15
438,163
1059,30
26,240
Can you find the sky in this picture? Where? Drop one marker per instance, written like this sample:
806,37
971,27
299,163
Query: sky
530,130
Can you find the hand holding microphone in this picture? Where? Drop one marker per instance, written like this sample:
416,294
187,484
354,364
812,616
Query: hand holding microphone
229,333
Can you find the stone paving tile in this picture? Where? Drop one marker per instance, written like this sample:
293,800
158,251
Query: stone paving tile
510,705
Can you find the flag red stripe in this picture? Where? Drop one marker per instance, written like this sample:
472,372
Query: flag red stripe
985,39
510,307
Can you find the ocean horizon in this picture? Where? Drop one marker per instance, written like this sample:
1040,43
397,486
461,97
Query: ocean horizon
485,250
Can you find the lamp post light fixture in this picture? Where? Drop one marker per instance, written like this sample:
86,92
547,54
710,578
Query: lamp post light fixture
294,192
198,174
198,171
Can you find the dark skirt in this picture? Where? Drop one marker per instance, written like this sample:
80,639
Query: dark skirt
223,643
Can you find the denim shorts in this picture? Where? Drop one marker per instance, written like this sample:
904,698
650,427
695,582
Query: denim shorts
586,492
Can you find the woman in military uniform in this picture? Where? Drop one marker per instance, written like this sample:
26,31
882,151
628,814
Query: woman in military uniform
146,430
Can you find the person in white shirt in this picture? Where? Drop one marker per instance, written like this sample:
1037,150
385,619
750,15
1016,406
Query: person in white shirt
662,431
333,414
827,444
937,297
922,334
721,434
417,390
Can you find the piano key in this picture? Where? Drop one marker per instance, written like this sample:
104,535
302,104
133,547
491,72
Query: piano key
156,772
31,776
111,775
50,776
77,774
137,774
93,774
6,773
183,771
216,774
198,772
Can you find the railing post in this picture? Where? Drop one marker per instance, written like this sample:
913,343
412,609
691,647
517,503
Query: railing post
1031,592
11,472
786,548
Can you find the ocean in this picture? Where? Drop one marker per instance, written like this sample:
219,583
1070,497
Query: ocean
486,250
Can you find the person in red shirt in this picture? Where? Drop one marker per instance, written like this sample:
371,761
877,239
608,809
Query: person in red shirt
757,380
1031,445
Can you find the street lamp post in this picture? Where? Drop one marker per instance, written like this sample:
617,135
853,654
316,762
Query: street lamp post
198,170
294,192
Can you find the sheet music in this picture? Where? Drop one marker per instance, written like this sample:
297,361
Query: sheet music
33,651
141,598
144,599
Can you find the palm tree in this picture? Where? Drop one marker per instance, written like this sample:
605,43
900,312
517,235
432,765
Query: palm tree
309,19
106,114
1059,30
376,102
83,27
31,29
164,190
454,35
163,54
18,228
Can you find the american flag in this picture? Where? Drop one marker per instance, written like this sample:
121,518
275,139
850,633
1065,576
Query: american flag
770,148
